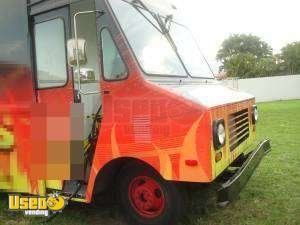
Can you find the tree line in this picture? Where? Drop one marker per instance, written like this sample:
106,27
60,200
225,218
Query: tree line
246,56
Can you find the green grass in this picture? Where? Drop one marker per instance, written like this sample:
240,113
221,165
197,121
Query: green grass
272,196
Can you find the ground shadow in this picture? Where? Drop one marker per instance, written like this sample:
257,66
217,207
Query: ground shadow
106,211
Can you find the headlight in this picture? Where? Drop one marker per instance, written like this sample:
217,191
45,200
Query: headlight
255,114
219,134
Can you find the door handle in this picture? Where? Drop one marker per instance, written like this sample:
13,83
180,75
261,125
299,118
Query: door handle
106,92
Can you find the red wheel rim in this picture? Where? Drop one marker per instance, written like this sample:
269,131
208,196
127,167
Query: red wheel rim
146,196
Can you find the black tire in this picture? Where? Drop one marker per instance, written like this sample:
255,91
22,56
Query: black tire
173,198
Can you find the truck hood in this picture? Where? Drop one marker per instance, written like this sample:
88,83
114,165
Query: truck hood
210,95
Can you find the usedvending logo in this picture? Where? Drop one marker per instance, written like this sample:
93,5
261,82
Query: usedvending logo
37,206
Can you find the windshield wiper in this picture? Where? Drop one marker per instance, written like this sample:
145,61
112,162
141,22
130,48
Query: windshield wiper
163,28
163,24
138,5
168,20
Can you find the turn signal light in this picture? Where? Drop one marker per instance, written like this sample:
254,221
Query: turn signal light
191,162
218,156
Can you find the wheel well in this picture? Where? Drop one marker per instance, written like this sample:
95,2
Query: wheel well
107,176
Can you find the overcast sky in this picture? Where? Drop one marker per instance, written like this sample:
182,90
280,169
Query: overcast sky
275,21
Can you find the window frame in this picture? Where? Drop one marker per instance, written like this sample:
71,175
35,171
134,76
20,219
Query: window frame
102,56
66,53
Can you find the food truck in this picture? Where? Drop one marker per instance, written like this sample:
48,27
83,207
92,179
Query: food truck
114,95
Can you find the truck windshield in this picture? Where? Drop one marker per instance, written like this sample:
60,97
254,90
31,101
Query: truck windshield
152,48
189,52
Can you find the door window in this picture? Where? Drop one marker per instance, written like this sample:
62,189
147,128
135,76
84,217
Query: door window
113,65
50,52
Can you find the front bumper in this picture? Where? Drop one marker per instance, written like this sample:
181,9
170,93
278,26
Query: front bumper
232,186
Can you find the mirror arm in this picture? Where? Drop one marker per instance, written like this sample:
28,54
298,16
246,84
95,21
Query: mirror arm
77,50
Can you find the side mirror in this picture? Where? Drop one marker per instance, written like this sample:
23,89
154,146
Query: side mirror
86,75
72,54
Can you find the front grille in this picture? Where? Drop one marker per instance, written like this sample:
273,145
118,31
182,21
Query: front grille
238,128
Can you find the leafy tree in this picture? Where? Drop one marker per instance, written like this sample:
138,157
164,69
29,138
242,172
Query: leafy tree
290,58
243,43
245,55
266,67
241,65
